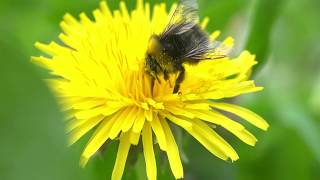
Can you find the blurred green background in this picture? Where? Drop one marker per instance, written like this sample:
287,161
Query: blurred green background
285,36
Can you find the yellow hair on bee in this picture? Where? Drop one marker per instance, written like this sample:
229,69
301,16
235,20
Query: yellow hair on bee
154,45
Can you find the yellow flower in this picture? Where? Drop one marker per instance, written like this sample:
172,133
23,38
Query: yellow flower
100,80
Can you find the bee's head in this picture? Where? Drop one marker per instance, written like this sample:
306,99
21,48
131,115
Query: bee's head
154,45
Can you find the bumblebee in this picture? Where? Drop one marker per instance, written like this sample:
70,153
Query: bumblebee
183,41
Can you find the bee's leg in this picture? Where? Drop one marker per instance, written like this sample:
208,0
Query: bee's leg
153,68
153,79
154,76
165,75
152,82
179,79
157,78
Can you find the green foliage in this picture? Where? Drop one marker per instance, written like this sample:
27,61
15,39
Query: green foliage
283,34
263,19
32,134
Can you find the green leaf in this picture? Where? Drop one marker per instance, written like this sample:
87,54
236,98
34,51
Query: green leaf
220,11
263,19
296,116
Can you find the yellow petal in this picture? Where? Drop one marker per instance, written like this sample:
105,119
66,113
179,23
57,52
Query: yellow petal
183,122
180,111
172,151
74,123
139,121
89,113
203,106
99,137
88,104
245,136
129,119
117,125
216,118
42,61
208,133
214,35
149,115
204,22
232,126
124,11
45,48
151,166
159,132
214,149
134,138
122,155
105,9
244,113
69,19
81,130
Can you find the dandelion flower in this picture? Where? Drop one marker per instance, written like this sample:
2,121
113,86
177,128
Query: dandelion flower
99,77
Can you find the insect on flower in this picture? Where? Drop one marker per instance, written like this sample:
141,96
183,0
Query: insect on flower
182,41
124,94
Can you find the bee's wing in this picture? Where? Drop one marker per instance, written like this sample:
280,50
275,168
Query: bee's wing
218,49
183,19
207,50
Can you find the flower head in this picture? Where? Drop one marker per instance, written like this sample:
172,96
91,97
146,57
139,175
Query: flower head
101,82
